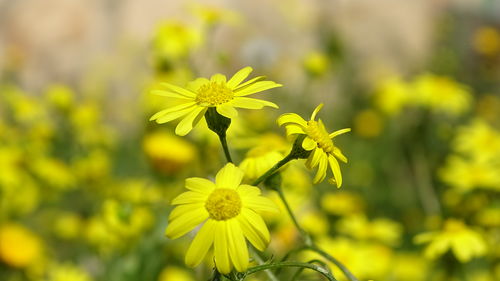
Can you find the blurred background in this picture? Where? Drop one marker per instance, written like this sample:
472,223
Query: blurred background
86,179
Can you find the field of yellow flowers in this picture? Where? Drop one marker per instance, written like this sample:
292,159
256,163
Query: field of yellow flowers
268,140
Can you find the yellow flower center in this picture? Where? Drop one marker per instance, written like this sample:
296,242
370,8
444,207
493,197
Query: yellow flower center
213,93
223,204
318,133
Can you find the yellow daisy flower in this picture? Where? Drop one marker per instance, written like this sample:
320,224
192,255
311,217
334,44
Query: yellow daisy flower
229,212
323,151
201,94
464,242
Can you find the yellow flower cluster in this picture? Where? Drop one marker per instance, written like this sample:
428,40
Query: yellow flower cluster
440,94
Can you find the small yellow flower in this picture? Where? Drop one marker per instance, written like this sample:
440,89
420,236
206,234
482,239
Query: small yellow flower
316,63
168,152
229,213
393,95
201,94
67,272
442,94
174,273
319,142
19,247
487,41
464,242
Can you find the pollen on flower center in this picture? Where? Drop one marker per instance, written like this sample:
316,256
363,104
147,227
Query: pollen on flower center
319,135
223,204
213,93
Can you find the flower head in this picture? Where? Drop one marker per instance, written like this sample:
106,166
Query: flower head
464,242
229,212
317,140
201,94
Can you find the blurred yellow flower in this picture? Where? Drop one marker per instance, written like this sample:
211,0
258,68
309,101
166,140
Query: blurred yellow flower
464,242
54,172
60,97
68,225
323,151
211,15
175,40
368,123
479,140
316,63
466,174
201,94
67,272
364,260
392,95
383,230
19,247
341,203
230,214
263,156
314,222
442,94
169,153
258,161
174,273
487,107
125,219
487,41
409,267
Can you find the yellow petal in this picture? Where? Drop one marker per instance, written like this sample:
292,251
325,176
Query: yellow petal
250,103
182,209
229,177
187,124
219,78
252,234
249,82
255,88
309,144
259,204
238,77
179,90
339,155
246,190
334,165
316,110
292,129
185,223
227,110
291,118
238,250
221,246
256,222
201,244
313,159
170,94
189,197
185,107
339,132
200,185
321,173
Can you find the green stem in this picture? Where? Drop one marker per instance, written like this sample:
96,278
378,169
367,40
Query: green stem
274,168
314,267
260,261
299,271
225,147
307,238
